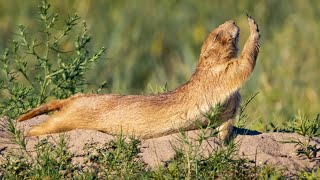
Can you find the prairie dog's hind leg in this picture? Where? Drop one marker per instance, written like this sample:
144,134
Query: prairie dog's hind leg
54,124
225,130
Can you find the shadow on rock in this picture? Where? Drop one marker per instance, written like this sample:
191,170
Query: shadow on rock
243,131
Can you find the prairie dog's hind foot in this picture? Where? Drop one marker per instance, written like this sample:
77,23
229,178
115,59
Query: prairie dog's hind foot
37,130
226,130
52,125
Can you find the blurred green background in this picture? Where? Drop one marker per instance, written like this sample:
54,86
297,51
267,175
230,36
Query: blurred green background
152,43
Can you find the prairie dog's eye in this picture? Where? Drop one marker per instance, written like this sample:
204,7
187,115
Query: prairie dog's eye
216,37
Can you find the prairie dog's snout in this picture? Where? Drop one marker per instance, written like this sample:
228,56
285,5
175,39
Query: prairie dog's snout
231,27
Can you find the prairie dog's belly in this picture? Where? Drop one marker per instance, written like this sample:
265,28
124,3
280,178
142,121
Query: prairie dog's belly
113,114
230,106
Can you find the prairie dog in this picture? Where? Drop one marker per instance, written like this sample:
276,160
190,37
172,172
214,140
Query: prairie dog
217,78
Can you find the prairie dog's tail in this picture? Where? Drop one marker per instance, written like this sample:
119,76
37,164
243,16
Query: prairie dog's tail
51,106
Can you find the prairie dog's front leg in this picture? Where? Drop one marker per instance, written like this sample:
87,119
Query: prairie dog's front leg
241,69
251,48
238,71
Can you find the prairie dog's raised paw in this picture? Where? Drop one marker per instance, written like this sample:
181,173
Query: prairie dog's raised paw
254,29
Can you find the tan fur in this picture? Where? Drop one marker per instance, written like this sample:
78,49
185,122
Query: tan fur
217,79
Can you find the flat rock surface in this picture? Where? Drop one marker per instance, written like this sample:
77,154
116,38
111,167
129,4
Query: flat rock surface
263,148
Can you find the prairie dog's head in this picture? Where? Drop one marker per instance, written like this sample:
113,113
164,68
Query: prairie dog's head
221,44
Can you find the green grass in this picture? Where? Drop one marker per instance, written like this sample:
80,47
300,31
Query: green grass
153,47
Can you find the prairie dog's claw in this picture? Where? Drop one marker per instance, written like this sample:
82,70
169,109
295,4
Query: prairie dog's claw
254,29
248,15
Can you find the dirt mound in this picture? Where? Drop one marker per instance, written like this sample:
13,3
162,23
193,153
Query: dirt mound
263,148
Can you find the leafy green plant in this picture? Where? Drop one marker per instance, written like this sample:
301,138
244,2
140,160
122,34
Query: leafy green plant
242,117
116,158
306,126
38,66
51,160
14,165
309,128
157,89
313,175
41,65
222,163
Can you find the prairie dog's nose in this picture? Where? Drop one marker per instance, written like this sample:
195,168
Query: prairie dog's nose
231,22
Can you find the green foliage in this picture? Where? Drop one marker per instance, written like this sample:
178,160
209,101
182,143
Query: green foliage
117,158
242,117
309,129
38,66
51,160
313,175
221,163
306,126
157,89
